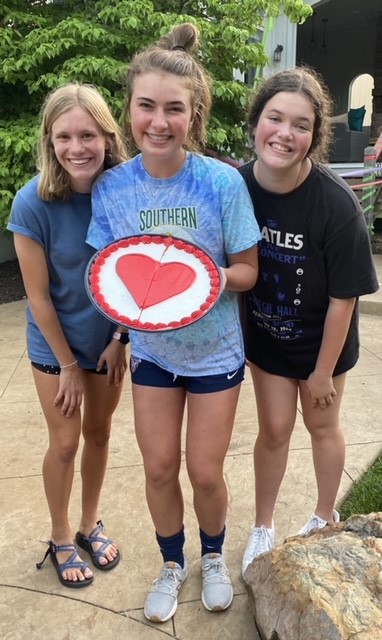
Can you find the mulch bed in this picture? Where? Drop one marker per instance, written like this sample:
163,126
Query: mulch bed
11,284
376,244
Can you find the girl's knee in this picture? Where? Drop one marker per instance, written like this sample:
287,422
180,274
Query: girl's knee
64,453
159,475
206,482
322,428
274,436
99,440
97,434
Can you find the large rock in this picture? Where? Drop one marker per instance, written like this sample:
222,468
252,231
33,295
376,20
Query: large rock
324,586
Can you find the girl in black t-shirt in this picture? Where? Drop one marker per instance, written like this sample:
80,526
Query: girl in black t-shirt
300,321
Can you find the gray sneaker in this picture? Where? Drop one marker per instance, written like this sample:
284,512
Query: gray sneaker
260,541
162,601
315,522
217,593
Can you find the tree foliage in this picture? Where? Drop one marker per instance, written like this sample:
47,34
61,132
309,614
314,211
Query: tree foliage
44,44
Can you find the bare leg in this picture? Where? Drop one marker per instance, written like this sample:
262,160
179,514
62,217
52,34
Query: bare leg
158,422
276,399
210,422
58,465
100,402
328,446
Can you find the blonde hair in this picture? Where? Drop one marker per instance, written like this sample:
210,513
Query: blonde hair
53,180
171,55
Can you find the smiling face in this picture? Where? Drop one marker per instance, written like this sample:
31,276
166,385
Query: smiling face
284,132
79,145
161,114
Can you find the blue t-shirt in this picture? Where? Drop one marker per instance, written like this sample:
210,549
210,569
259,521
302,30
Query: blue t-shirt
206,203
60,227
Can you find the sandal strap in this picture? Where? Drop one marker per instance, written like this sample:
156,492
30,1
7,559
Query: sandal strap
47,553
57,548
94,537
70,563
98,529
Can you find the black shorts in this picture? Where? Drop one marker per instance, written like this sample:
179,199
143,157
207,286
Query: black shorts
55,370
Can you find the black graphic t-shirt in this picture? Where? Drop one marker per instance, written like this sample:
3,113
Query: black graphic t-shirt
315,245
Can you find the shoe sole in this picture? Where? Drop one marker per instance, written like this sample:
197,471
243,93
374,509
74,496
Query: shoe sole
157,619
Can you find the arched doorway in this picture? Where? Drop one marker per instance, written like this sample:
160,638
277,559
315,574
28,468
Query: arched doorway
361,94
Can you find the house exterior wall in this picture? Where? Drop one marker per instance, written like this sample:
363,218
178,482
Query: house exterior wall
354,48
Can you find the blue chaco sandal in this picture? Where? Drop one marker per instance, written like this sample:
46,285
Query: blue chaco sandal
71,563
85,542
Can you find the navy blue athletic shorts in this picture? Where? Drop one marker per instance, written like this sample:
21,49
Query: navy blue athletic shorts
148,374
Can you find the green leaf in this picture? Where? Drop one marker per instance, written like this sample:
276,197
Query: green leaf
45,44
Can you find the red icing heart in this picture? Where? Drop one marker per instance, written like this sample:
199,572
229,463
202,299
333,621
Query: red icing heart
150,281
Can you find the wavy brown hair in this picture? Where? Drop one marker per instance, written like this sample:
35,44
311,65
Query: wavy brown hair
53,180
308,83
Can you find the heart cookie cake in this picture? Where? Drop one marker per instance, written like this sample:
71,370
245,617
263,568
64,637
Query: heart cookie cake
153,282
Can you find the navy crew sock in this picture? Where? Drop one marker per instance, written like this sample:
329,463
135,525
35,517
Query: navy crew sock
211,544
171,547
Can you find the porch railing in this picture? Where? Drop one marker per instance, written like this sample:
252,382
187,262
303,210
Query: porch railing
367,182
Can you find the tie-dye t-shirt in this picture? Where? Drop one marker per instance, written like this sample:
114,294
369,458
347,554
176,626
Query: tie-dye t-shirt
206,203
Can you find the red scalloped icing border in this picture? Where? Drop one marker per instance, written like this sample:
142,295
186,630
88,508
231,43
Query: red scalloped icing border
99,298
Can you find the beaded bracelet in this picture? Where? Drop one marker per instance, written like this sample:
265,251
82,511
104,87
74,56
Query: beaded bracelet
68,366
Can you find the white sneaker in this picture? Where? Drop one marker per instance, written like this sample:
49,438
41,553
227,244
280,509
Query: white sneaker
315,522
162,601
217,593
260,541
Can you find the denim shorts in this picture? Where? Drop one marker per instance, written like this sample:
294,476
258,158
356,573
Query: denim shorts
148,374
